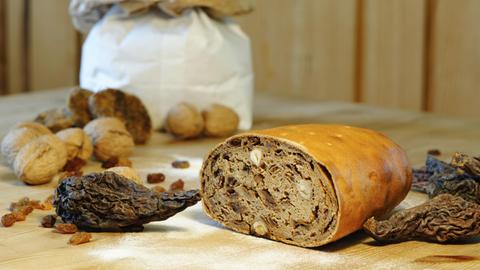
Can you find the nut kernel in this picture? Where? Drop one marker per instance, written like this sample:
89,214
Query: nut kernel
256,156
304,189
260,228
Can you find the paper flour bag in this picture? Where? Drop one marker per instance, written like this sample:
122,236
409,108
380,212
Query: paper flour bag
166,60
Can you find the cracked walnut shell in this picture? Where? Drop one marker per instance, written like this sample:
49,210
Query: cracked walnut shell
184,121
220,121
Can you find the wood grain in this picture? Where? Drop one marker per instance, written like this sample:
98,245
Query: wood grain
192,241
305,48
392,61
456,58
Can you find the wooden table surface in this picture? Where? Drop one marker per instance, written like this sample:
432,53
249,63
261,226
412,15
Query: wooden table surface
190,240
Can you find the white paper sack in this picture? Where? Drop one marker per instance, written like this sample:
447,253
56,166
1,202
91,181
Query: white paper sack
165,60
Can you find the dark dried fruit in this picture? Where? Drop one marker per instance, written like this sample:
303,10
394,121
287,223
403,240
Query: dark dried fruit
110,202
159,189
116,162
78,105
55,119
461,177
66,228
180,164
49,221
128,108
74,165
434,152
155,178
441,219
177,185
80,238
8,220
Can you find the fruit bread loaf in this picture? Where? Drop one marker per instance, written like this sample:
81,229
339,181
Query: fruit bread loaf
305,185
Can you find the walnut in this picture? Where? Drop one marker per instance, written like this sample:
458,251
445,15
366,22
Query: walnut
128,173
79,144
256,156
110,138
39,160
184,121
55,119
18,137
220,121
78,105
260,228
304,188
128,108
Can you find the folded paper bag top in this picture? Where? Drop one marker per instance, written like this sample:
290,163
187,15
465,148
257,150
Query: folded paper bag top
306,185
166,60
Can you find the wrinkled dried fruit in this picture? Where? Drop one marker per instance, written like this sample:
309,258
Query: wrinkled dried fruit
49,221
80,238
441,219
19,216
8,220
434,152
66,228
110,202
116,162
177,185
59,177
127,107
155,178
159,189
180,164
461,177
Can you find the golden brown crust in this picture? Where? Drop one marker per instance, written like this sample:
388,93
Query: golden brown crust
370,173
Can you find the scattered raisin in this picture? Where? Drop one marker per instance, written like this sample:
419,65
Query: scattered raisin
48,203
116,162
74,165
25,201
80,238
26,210
177,185
159,189
155,178
66,228
434,152
180,164
49,221
19,216
8,220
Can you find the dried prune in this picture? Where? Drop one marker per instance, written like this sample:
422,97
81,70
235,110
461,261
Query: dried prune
461,177
443,218
110,202
80,238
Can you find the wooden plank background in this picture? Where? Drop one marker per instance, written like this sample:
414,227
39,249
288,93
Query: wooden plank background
407,54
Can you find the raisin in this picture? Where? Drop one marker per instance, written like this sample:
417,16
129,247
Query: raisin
434,152
80,238
49,221
177,185
155,178
74,165
66,228
19,216
159,189
8,220
180,164
116,162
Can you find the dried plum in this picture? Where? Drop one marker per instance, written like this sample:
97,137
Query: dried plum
445,218
110,202
461,177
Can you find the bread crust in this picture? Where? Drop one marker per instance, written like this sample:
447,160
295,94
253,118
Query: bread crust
370,173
